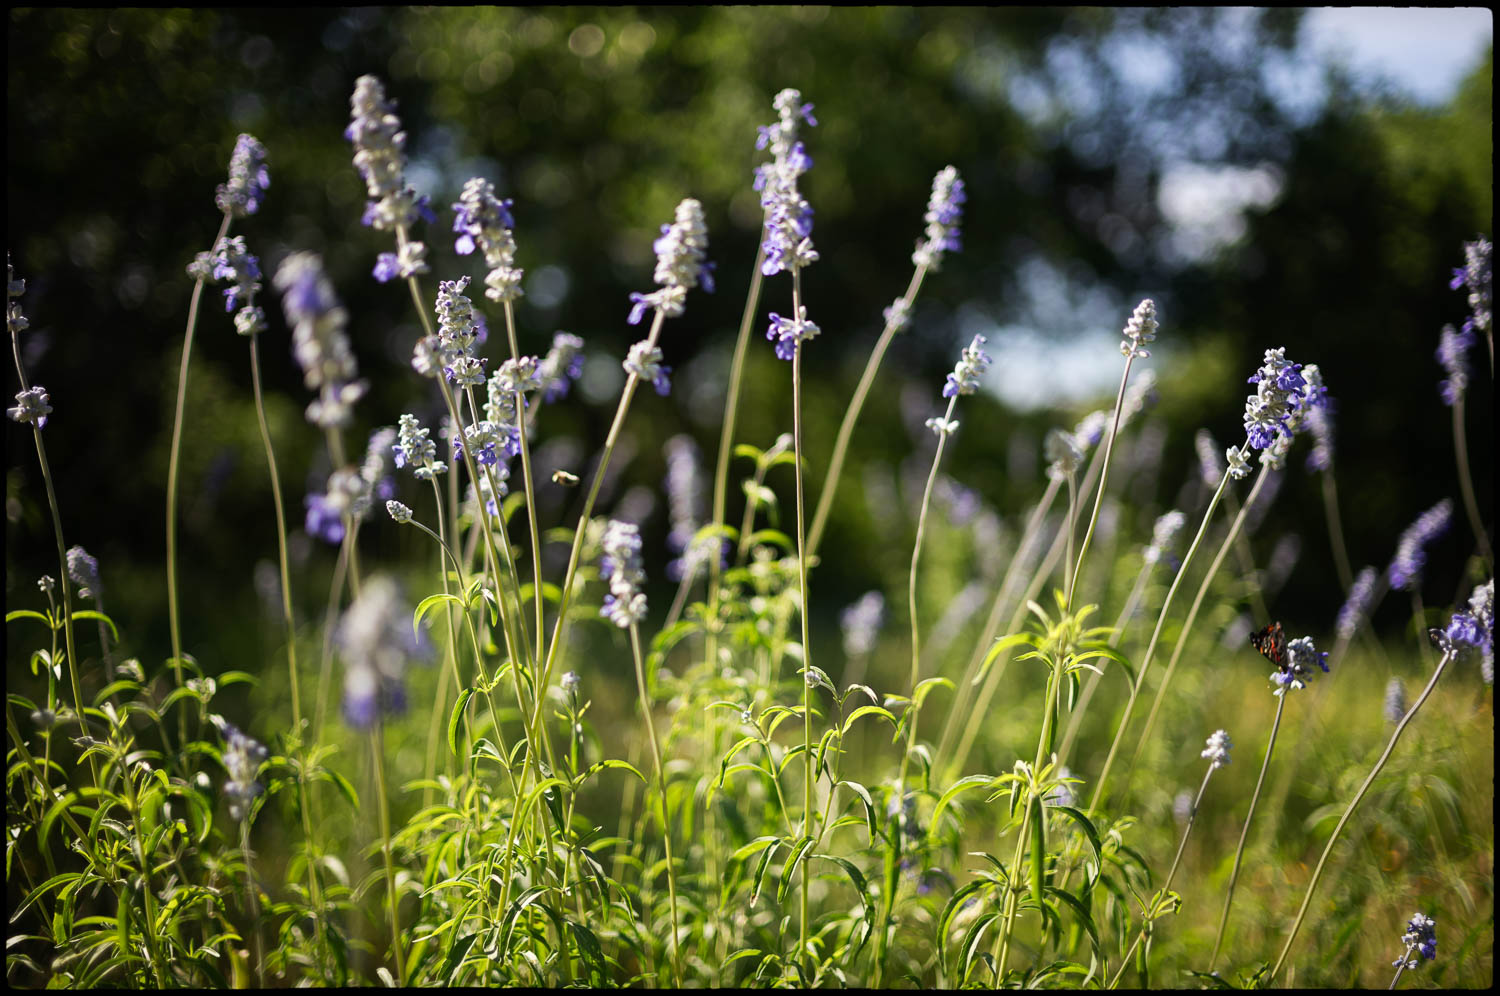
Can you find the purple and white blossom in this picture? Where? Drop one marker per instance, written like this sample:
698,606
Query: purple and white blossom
1405,571
562,365
483,221
380,157
320,343
243,757
1302,657
625,605
787,244
1140,330
248,179
1217,750
965,376
944,213
680,264
861,624
1357,606
376,641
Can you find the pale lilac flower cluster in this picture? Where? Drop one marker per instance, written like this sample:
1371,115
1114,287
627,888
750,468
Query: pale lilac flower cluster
684,487
376,480
1090,429
1217,750
941,426
413,449
625,605
32,407
680,264
562,365
454,348
787,333
1064,794
1421,937
1139,396
944,213
1453,354
1478,275
972,362
376,641
1301,659
1357,605
15,320
1210,468
233,262
1276,412
1320,424
1140,330
248,179
1476,627
243,757
1163,536
787,244
1405,571
1061,450
319,340
483,221
380,157
84,570
861,624
1395,700
898,315
644,360
399,513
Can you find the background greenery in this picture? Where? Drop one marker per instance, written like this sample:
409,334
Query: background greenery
597,121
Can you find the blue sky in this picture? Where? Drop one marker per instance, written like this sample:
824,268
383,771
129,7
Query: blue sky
1424,52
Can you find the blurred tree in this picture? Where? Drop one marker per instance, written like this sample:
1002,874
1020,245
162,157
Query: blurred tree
597,121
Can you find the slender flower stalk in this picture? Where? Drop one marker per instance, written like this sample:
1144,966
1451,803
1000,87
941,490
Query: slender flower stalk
1421,938
1301,657
33,408
625,606
1140,330
1449,652
1217,752
943,217
679,268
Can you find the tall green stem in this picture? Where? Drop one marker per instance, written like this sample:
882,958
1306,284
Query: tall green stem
1312,884
856,405
1192,617
1239,851
173,617
1466,484
536,536
807,757
383,806
565,597
661,781
1109,445
286,584
1161,620
1336,530
1172,873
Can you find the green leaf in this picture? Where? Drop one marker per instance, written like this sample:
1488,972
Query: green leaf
425,606
760,869
962,785
763,536
1087,826
951,910
508,925
93,614
52,883
855,876
1001,645
456,952
747,450
328,774
29,614
759,494
455,717
925,689
607,763
236,678
868,710
799,852
1079,911
754,847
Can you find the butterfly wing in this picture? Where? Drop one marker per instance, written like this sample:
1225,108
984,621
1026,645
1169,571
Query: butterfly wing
1271,642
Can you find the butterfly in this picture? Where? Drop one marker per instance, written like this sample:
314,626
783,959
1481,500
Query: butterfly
1271,642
